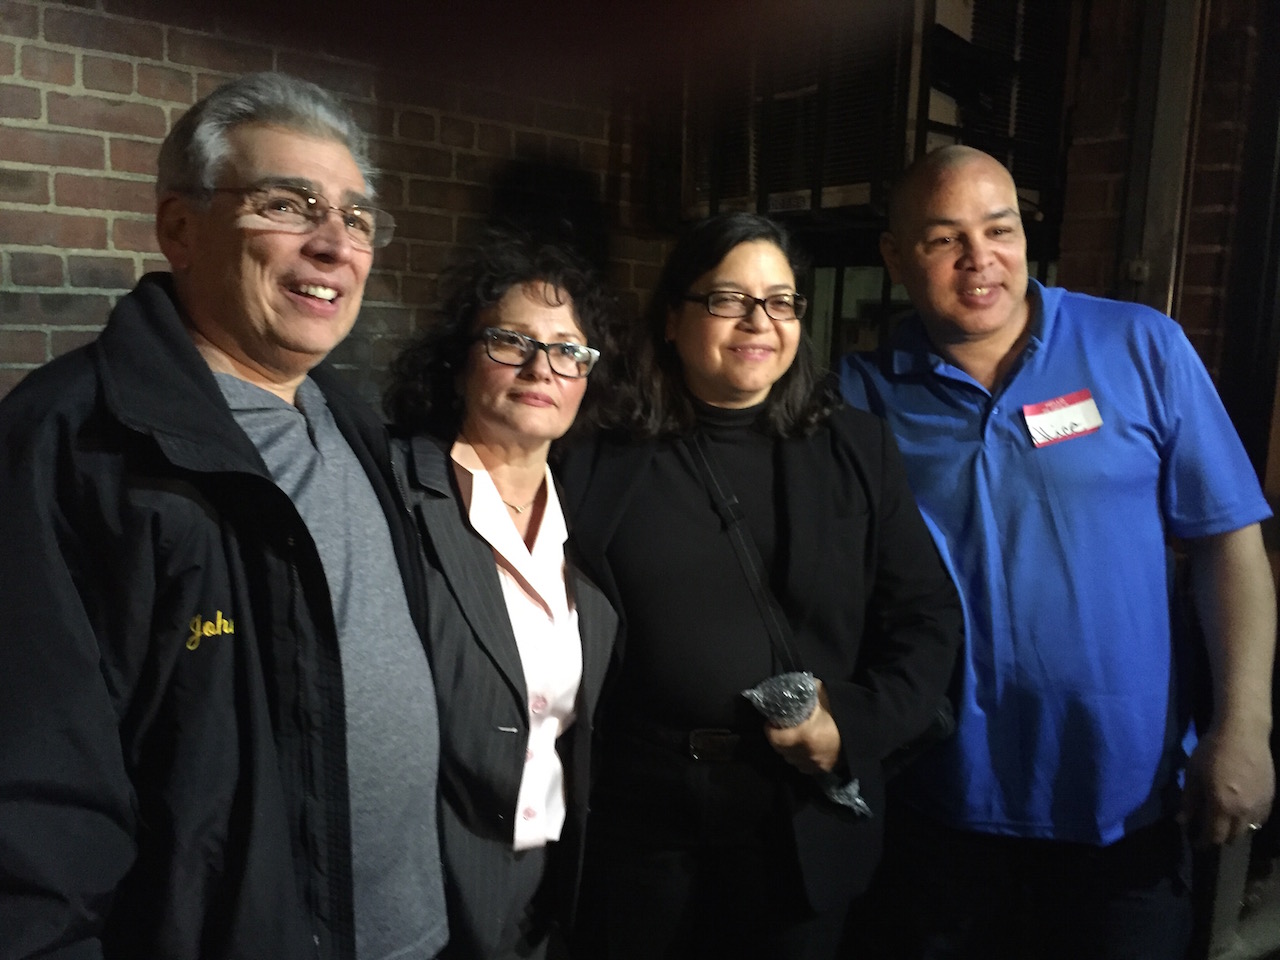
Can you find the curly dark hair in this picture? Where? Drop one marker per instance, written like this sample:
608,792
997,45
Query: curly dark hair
650,397
422,396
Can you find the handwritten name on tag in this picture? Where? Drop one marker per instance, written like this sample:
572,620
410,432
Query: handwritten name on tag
1071,415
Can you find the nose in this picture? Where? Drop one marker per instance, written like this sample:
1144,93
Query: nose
538,366
329,239
977,252
756,318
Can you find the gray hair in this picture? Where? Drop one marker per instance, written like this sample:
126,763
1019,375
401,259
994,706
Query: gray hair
195,149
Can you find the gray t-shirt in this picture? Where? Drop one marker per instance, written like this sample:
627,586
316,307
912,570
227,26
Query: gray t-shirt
392,726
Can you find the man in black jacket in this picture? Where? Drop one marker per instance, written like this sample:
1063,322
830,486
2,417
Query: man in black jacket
218,733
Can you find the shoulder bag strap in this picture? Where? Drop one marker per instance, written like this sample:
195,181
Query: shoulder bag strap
744,546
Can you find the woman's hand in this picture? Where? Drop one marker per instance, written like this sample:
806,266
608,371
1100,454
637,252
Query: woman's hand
812,746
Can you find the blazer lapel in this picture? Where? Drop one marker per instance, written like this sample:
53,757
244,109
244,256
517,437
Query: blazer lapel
466,561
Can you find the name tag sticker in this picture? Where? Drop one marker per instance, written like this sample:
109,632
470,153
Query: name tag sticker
1071,415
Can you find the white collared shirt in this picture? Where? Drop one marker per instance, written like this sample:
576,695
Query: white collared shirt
545,623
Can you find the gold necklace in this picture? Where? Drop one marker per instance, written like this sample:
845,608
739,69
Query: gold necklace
520,510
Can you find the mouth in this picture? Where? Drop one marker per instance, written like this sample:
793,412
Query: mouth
534,399
315,291
753,351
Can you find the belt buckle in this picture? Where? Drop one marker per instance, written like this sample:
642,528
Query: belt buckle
712,744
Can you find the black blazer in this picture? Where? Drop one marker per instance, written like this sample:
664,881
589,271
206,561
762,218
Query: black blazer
874,613
484,719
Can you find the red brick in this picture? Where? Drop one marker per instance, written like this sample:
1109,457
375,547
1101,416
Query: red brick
383,286
418,291
1086,196
135,235
429,257
8,59
1198,310
416,126
493,105
155,265
494,139
52,149
530,145
61,309
36,269
92,31
1204,269
48,66
108,74
104,193
10,379
457,133
134,156
36,228
1214,187
456,197
1220,144
1209,227
21,103
406,158
1093,234
346,79
391,86
563,149
113,116
475,169
423,226
353,351
392,257
385,319
64,341
23,346
374,119
206,83
227,56
1098,157
116,273
24,186
574,121
19,19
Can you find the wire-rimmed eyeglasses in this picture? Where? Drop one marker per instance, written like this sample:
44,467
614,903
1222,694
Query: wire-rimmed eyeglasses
300,211
734,305
515,350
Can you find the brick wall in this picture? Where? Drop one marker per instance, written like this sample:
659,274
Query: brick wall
89,89
1101,121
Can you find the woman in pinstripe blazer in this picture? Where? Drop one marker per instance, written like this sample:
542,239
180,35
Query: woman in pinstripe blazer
518,637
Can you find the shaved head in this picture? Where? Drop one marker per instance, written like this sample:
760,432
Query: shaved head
912,189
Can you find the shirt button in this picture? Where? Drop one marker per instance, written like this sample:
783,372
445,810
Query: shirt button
528,813
538,704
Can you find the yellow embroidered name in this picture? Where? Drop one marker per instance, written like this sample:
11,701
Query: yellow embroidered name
201,628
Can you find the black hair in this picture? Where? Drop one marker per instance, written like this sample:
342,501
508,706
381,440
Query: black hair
651,399
422,396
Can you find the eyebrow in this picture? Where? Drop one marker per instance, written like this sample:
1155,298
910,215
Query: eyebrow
1002,214
730,286
303,185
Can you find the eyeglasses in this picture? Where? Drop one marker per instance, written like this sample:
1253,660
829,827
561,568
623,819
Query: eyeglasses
300,211
515,350
734,305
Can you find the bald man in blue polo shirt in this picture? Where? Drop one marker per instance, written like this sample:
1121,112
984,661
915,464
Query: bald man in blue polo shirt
1057,441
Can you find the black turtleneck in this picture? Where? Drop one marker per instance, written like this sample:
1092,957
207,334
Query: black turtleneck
695,638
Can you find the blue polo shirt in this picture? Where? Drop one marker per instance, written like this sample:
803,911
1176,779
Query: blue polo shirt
1054,496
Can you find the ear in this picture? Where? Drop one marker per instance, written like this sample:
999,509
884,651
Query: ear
891,255
175,229
670,333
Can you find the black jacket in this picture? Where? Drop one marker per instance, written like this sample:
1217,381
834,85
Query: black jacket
172,750
873,612
484,709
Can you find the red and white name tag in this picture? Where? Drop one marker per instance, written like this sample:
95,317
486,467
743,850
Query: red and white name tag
1071,415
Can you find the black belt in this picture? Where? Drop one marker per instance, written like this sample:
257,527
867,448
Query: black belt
707,744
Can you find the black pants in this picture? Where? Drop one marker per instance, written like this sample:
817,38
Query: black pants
945,894
691,860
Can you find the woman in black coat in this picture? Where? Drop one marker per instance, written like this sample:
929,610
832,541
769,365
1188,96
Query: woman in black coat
710,832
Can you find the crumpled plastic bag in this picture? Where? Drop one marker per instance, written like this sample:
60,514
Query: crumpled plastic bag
789,699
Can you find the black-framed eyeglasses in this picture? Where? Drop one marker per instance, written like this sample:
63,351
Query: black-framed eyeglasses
734,305
299,211
515,350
